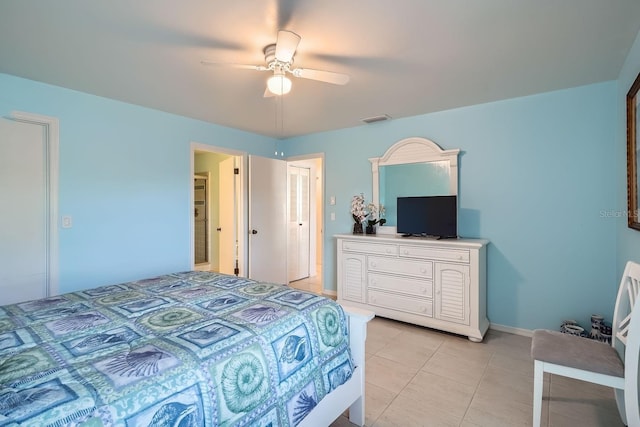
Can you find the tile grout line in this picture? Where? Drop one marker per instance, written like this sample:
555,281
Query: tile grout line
475,390
394,397
408,382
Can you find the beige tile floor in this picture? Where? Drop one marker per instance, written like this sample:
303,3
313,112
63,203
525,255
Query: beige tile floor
312,284
421,377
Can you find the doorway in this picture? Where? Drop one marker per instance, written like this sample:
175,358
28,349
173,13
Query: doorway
257,212
201,220
217,212
298,222
305,242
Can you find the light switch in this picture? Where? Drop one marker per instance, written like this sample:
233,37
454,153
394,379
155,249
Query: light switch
67,221
333,216
332,200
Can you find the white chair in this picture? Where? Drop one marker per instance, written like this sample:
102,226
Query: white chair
614,365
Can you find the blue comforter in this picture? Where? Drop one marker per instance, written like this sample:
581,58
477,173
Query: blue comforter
186,349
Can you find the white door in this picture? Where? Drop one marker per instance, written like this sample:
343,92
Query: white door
24,212
267,219
298,223
226,227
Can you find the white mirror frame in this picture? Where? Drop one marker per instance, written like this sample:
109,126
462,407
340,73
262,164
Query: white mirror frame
413,150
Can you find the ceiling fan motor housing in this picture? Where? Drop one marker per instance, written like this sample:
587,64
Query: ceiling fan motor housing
272,62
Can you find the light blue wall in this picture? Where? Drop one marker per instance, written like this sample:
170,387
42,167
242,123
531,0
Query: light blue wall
628,239
536,175
124,178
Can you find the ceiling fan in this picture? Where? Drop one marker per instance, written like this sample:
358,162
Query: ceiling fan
279,60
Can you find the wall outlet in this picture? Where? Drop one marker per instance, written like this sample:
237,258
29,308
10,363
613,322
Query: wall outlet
332,200
333,216
67,221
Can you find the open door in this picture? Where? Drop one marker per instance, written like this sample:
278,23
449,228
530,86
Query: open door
267,219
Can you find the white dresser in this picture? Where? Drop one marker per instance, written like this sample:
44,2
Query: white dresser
440,284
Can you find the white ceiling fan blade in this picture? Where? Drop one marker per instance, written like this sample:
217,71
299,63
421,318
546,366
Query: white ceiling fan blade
286,45
322,76
241,66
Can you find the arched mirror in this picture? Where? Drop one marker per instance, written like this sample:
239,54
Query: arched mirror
412,167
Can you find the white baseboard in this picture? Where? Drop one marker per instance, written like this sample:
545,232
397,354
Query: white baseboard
511,330
329,292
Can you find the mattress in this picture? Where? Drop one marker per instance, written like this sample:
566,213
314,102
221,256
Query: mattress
184,349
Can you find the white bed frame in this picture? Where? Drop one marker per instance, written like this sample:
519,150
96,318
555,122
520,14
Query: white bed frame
349,395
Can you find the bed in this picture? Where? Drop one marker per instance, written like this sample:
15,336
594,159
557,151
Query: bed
185,349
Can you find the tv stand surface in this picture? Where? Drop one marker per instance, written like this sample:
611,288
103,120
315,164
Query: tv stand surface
427,236
439,284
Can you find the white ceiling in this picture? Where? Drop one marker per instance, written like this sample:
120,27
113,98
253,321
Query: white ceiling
405,57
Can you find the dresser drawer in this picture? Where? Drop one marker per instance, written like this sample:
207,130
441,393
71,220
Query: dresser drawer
370,248
401,303
416,268
457,255
419,287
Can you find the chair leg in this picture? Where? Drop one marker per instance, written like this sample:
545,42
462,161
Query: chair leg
538,381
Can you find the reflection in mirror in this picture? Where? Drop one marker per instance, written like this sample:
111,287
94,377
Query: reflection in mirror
412,167
411,179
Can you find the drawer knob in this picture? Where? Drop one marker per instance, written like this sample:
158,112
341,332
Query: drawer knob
424,290
374,282
406,252
388,250
373,264
423,270
460,257
423,309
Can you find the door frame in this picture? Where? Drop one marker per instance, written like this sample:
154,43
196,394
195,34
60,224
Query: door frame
51,130
241,214
301,159
207,177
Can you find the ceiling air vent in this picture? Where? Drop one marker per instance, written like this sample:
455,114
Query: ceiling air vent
374,119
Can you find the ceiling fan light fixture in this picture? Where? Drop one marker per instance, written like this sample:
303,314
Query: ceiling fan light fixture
279,84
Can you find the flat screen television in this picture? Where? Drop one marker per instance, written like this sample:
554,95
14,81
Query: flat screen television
434,216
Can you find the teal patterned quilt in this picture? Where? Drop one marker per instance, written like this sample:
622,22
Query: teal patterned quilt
185,349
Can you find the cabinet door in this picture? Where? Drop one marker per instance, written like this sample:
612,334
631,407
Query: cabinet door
452,292
351,283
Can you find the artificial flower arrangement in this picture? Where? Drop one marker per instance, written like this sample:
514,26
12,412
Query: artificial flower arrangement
375,215
360,211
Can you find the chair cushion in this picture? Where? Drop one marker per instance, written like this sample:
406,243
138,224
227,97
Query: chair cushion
576,352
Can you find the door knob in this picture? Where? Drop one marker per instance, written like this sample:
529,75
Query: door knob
219,229
254,231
